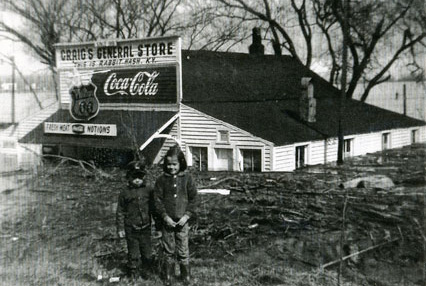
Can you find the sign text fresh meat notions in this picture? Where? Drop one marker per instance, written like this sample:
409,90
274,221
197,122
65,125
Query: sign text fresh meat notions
143,83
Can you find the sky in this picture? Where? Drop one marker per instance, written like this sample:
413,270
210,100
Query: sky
26,63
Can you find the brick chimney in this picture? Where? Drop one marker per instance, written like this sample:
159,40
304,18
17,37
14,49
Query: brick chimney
256,48
307,102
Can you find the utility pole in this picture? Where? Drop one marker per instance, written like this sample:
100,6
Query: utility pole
12,59
404,94
117,19
345,30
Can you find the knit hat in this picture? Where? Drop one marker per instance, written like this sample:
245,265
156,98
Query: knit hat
135,170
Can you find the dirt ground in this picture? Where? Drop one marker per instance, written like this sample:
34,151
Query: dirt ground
58,225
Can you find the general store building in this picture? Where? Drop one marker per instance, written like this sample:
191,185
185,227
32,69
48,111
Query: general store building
228,111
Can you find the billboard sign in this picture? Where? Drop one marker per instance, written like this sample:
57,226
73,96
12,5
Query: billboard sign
118,74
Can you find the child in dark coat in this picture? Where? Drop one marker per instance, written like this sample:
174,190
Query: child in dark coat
134,210
175,200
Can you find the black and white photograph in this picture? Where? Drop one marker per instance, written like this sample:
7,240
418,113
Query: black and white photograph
213,142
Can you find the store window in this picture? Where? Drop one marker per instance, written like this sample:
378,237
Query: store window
414,136
301,156
386,144
252,160
223,136
224,159
348,145
199,158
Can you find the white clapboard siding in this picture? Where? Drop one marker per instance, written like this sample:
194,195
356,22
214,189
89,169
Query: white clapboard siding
400,138
331,151
199,129
422,134
284,158
316,155
372,142
367,143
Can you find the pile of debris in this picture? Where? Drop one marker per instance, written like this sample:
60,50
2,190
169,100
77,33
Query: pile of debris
320,214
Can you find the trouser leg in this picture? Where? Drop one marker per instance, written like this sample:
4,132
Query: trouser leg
168,243
133,253
145,250
182,247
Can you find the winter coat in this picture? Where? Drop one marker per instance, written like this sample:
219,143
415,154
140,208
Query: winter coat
134,209
175,195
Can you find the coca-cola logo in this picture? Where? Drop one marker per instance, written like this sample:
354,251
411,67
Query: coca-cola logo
143,83
147,85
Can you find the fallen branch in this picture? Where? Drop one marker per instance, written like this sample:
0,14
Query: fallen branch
42,191
80,162
57,166
219,182
357,253
109,253
378,214
420,229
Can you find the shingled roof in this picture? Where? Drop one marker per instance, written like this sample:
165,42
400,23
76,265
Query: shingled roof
260,95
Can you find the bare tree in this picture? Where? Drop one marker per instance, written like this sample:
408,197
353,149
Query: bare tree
132,18
42,26
206,28
276,16
371,24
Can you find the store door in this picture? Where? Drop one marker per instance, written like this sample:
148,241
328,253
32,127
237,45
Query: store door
224,159
386,144
301,156
348,148
199,158
252,160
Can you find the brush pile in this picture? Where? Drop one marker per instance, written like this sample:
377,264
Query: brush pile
370,210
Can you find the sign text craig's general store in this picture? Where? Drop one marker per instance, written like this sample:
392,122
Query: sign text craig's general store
118,53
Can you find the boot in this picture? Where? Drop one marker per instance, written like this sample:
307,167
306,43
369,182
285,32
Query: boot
184,274
147,268
132,274
168,273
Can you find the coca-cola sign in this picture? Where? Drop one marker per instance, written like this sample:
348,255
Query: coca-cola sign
153,85
143,83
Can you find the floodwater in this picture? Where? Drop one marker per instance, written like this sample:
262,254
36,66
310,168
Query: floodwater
389,95
25,104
